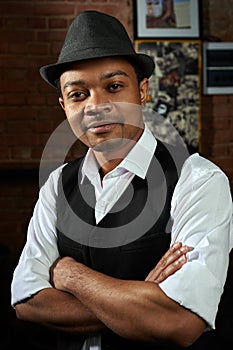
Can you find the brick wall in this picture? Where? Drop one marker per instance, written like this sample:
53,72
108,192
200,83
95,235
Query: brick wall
216,116
31,35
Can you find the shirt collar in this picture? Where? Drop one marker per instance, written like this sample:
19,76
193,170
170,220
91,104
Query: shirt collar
137,160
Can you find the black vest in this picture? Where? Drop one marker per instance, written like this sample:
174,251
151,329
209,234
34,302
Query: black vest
143,211
145,203
106,247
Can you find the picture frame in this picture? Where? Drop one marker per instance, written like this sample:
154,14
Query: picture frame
175,85
166,19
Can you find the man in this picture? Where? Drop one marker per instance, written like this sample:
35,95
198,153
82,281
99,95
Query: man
100,265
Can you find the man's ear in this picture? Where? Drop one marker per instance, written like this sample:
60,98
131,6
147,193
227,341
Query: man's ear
144,84
61,103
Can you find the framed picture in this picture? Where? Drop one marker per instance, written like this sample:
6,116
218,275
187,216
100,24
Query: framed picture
166,19
174,87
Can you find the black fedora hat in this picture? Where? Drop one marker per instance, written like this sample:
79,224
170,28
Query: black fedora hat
94,34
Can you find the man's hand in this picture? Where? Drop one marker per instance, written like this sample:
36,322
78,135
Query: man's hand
120,305
61,271
172,261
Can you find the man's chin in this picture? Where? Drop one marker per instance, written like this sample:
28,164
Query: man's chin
110,145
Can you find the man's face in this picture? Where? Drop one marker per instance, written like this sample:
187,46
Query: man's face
102,100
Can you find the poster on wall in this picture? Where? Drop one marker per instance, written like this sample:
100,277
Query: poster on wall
166,19
174,89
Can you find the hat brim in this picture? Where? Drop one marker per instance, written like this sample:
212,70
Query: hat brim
52,72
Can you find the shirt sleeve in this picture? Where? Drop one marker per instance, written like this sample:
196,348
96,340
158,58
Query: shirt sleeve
40,251
202,218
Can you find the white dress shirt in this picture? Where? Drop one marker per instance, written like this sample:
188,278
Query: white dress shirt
201,211
115,182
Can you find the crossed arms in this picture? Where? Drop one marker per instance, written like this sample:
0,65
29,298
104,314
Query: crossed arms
88,302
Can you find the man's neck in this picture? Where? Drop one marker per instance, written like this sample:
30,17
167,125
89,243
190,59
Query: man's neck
111,159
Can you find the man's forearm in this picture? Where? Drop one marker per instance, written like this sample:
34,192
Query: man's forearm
136,310
59,310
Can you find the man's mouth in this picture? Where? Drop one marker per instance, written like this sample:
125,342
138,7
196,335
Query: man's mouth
99,128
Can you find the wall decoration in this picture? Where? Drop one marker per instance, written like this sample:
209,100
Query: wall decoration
174,90
217,68
166,19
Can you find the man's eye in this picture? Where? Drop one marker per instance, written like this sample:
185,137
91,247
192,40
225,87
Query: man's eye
78,95
115,86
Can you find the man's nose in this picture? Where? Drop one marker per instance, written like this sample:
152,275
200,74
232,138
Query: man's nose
98,109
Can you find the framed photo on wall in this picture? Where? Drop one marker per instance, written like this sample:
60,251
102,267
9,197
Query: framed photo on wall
174,87
166,19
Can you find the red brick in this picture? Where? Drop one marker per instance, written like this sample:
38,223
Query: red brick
60,23
18,8
54,8
12,99
38,48
17,35
36,99
51,35
37,22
